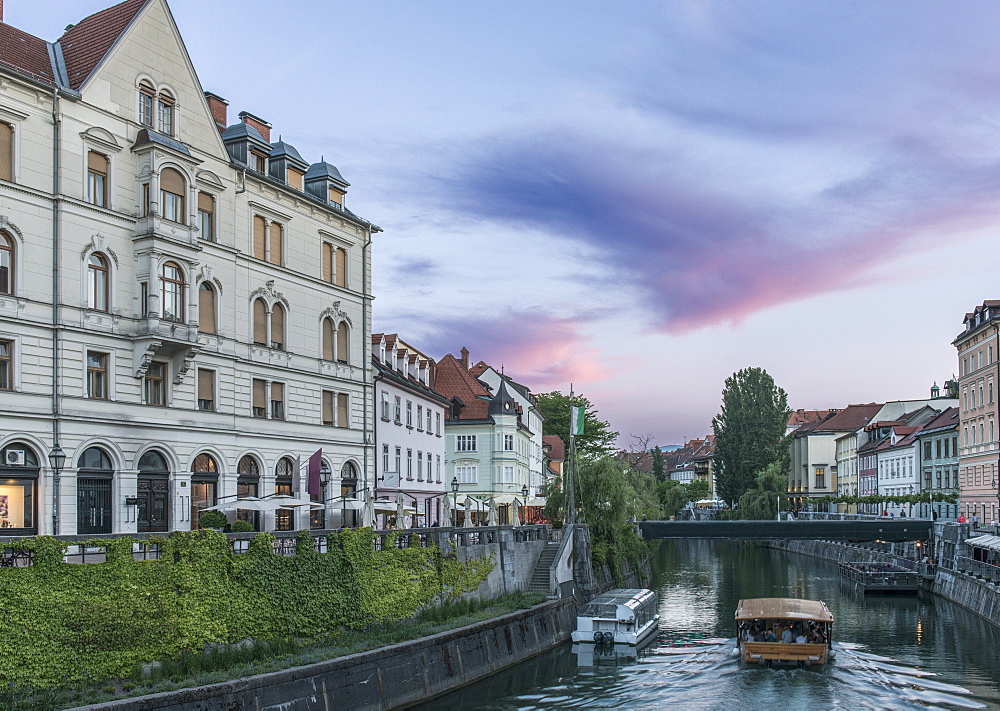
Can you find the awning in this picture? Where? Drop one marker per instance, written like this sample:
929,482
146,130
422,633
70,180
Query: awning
347,504
537,501
986,541
272,503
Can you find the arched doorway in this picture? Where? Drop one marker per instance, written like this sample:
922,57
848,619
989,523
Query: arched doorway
248,485
204,485
153,492
93,491
349,490
284,519
18,489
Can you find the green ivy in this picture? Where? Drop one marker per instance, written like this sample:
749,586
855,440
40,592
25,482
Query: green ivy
66,623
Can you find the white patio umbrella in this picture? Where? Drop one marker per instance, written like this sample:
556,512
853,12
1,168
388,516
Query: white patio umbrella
468,514
493,512
516,506
248,504
368,512
447,511
400,513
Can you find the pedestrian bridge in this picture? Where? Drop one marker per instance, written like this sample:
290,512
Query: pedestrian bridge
888,529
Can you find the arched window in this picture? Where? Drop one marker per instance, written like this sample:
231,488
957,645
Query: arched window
248,486
172,288
259,323
97,179
6,264
343,341
173,188
165,113
93,492
146,94
206,308
278,327
98,282
284,519
328,339
204,485
152,462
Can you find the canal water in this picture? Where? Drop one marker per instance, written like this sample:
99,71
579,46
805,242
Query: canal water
892,652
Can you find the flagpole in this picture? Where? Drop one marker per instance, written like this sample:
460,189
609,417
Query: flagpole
571,514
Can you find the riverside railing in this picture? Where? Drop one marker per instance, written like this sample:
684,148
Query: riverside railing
147,546
979,568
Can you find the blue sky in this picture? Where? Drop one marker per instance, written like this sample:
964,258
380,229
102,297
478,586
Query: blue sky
641,198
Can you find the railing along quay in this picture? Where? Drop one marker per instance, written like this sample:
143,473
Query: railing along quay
88,549
979,568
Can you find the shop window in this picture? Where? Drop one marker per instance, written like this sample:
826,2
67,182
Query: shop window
173,188
98,282
172,288
6,264
206,308
18,489
204,485
247,486
97,179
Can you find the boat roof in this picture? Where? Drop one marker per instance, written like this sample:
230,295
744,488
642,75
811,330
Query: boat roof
789,608
622,596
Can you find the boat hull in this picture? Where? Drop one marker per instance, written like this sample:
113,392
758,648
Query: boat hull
768,653
633,637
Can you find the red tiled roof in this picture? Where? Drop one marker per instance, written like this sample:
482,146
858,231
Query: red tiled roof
947,418
455,381
478,369
557,449
85,43
801,417
852,417
26,53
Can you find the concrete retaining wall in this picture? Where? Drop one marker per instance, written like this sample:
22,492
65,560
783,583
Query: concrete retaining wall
515,561
387,678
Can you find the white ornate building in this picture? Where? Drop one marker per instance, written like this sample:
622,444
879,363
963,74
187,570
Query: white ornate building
184,305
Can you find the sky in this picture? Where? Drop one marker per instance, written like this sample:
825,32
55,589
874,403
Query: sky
641,198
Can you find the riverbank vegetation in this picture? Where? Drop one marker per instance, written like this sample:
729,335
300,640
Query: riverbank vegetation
67,624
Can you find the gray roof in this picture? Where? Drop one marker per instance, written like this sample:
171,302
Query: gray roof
282,149
243,130
325,170
145,136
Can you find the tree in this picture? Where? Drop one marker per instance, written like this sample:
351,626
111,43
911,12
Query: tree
768,495
749,431
597,439
699,489
658,463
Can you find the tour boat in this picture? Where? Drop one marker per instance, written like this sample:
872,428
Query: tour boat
802,631
624,616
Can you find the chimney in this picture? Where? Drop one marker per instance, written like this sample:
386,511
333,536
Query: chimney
465,357
260,124
217,105
1,10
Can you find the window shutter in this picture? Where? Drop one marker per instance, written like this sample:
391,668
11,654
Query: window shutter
6,151
295,178
206,384
260,322
171,181
206,309
206,203
278,325
97,163
327,339
275,243
259,236
342,342
342,416
341,273
277,392
327,263
259,395
327,408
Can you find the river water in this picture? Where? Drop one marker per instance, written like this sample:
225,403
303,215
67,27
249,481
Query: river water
892,652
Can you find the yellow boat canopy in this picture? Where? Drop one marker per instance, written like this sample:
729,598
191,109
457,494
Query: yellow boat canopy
783,608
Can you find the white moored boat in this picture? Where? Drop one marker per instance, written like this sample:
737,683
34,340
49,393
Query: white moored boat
624,616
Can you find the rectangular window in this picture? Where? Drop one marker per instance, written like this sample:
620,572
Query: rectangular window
327,407
277,237
259,403
277,401
399,461
6,365
145,109
398,410
820,477
259,237
409,413
173,206
165,109
206,390
206,217
327,262
258,162
937,448
508,475
508,442
340,273
97,375
437,468
466,443
420,417
927,450
343,412
467,474
385,458
409,464
385,406
156,384
294,178
420,466
437,423
97,179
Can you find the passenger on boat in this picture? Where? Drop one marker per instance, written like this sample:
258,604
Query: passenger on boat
770,636
801,639
787,636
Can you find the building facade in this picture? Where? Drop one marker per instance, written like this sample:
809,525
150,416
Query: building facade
978,349
937,446
184,305
409,429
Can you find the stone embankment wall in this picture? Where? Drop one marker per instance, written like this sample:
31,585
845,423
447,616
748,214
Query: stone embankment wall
387,678
515,561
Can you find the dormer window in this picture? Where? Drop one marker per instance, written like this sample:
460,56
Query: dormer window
294,179
258,161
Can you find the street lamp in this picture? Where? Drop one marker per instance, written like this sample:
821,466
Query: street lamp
57,458
524,493
454,491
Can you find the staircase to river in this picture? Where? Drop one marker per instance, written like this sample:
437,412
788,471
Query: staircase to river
540,580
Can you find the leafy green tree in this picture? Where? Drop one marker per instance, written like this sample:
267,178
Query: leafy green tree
658,463
699,489
762,502
749,431
598,438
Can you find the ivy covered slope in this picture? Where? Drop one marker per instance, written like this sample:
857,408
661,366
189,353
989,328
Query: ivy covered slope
63,622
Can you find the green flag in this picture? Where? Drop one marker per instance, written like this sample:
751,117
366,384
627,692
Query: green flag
576,420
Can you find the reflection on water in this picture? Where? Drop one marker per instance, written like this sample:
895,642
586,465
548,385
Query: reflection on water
892,652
